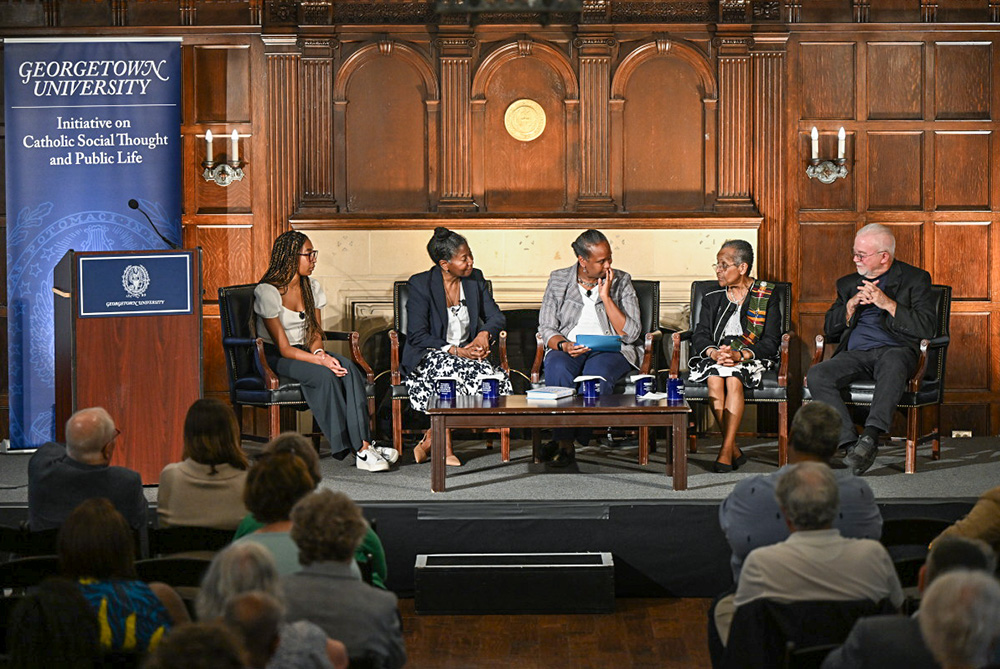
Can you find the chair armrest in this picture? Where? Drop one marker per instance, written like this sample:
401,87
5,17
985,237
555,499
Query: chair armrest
237,342
675,355
536,366
394,376
271,381
504,364
939,342
652,339
354,337
819,350
786,340
914,383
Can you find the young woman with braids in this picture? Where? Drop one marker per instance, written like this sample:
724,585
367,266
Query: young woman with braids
287,302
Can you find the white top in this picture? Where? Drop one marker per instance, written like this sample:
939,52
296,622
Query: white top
819,565
733,327
589,323
458,321
267,304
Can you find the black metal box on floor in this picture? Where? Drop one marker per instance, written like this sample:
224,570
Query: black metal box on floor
515,583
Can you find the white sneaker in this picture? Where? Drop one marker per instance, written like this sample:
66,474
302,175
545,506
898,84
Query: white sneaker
390,454
370,460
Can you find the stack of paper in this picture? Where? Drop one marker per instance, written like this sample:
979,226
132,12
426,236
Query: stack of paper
549,393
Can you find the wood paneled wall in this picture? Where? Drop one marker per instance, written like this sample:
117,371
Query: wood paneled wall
364,114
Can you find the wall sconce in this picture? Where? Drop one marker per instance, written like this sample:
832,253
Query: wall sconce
827,171
223,172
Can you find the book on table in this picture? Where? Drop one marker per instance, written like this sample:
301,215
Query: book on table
549,393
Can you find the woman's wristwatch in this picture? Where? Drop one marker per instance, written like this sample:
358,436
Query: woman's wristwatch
559,345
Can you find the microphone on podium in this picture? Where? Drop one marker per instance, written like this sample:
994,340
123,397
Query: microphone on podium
134,204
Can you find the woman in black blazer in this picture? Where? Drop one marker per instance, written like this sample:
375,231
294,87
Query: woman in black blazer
735,341
451,322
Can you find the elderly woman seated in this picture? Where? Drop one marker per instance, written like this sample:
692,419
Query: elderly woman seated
736,340
327,527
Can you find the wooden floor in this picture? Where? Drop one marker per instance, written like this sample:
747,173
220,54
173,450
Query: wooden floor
641,633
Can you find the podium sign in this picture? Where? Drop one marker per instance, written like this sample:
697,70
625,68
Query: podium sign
134,285
129,338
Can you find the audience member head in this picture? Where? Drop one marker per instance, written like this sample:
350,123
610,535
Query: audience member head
327,526
808,496
239,568
212,436
814,432
740,251
90,436
584,245
960,618
293,442
274,484
256,617
53,626
199,646
444,244
949,553
96,542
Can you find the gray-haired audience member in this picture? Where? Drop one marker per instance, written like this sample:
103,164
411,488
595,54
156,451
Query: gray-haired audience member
61,477
750,517
960,619
256,616
249,567
895,641
811,564
327,527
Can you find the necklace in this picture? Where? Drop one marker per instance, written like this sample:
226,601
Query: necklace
588,285
732,291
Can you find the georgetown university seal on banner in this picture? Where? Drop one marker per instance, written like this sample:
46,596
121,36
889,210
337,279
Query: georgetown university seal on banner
524,120
135,280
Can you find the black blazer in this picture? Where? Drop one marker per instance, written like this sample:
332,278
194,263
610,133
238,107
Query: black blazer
915,315
716,310
427,314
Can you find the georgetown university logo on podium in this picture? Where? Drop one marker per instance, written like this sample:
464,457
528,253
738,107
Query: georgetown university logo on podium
135,280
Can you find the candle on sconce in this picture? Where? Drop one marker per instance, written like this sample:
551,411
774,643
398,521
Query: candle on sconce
208,146
235,141
815,143
841,142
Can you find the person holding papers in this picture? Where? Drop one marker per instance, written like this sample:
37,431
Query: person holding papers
736,339
589,298
451,322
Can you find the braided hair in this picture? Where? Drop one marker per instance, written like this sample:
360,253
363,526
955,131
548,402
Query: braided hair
282,271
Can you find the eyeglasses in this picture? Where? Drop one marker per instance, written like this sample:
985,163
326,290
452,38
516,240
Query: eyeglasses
114,436
312,255
722,267
862,256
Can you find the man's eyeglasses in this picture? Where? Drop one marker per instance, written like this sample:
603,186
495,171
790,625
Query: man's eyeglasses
862,256
311,255
114,436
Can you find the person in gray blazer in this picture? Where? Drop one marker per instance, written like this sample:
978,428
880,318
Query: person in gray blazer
589,298
327,527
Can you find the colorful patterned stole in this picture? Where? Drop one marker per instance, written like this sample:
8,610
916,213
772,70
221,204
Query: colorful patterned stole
760,295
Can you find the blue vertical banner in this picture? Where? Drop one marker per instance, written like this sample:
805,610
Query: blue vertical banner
91,124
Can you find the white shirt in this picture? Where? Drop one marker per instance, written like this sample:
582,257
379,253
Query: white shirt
589,323
267,304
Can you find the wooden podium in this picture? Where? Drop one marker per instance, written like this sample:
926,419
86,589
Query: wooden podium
128,338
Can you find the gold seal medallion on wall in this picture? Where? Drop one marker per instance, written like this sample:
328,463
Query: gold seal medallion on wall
524,120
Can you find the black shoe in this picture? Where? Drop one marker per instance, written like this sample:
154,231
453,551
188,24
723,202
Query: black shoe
740,461
721,467
563,459
548,451
860,458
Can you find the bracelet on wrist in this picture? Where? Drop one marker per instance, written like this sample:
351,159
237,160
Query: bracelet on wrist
318,351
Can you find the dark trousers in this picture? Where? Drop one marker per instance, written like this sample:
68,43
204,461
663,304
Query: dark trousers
890,367
561,368
339,404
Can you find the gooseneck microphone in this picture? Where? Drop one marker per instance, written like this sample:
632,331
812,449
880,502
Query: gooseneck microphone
134,204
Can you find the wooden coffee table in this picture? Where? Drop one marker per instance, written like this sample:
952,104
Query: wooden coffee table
518,411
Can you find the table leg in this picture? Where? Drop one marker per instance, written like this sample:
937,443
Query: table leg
439,439
536,443
680,471
644,445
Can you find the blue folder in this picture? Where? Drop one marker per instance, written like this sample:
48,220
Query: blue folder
605,343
